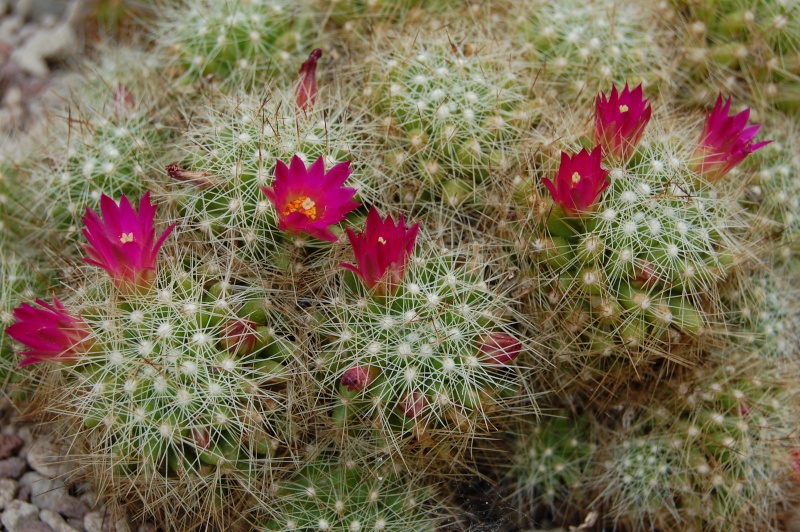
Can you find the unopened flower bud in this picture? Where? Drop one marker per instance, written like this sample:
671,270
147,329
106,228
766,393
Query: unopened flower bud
357,378
500,348
414,404
199,179
306,91
239,336
123,101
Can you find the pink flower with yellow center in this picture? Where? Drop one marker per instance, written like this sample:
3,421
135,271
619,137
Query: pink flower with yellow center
123,242
51,333
306,89
620,120
311,200
579,182
382,251
725,141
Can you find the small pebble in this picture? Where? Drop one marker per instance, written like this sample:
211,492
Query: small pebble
55,521
8,490
20,515
9,443
13,467
37,527
24,494
99,521
44,457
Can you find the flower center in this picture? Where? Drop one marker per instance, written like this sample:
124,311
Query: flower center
381,240
126,237
576,178
623,108
304,205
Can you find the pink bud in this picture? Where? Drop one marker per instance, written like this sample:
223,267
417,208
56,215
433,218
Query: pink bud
306,91
645,275
413,405
123,100
744,410
239,336
794,462
199,179
500,348
357,378
201,438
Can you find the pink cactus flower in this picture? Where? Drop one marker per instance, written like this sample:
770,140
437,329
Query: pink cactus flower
620,120
122,243
306,89
311,200
357,378
51,333
579,182
382,251
725,141
500,348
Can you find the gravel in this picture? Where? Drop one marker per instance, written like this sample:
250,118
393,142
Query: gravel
33,495
37,39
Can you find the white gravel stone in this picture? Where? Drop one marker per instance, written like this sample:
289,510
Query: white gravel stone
98,521
13,467
45,458
20,515
55,521
49,43
9,28
8,491
44,490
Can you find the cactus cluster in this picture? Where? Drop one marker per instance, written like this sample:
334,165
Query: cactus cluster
234,43
448,120
369,265
434,354
343,494
581,47
229,155
748,46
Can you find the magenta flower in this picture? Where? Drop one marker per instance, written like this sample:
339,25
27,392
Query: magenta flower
620,120
500,348
122,243
358,378
51,333
382,251
579,182
306,91
725,141
310,201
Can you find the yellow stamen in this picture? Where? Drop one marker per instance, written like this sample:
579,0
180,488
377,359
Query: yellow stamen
304,205
126,237
381,240
623,108
576,178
